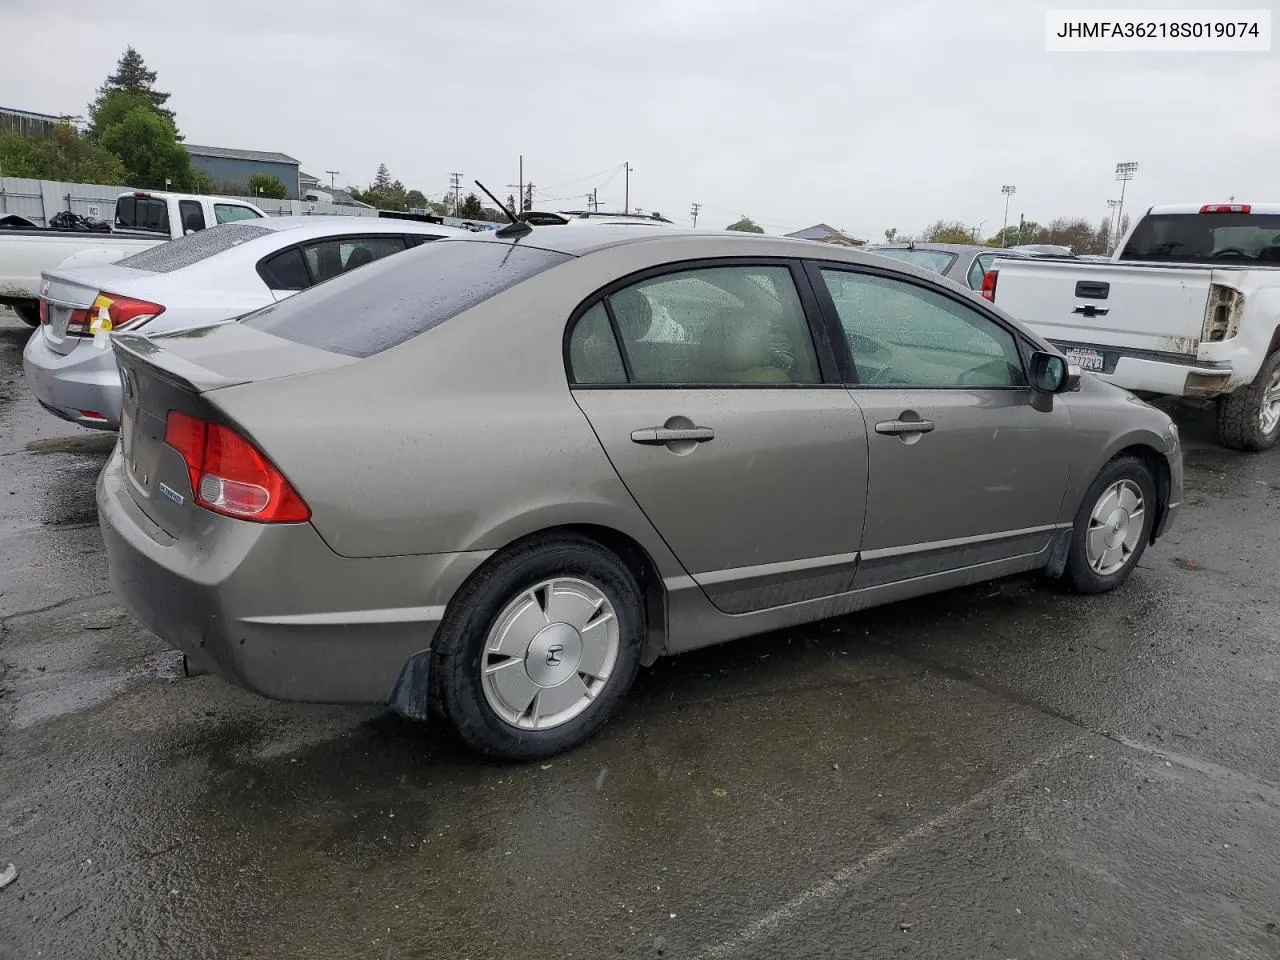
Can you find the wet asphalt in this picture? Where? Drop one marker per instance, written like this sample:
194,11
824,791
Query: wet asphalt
1004,771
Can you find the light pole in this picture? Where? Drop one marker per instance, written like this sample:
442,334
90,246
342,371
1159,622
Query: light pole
1008,190
1111,223
1124,173
977,231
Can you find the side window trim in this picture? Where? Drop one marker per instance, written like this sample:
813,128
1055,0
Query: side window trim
832,319
816,325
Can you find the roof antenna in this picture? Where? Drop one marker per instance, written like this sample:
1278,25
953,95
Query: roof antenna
517,227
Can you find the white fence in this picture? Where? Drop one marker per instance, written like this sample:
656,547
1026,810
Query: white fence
39,200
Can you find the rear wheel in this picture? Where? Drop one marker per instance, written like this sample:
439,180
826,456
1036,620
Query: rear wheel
1249,419
27,313
539,648
1112,526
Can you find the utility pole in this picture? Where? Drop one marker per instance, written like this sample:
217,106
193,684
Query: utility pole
1111,223
593,200
626,202
1124,173
455,184
332,174
693,212
1008,190
1021,223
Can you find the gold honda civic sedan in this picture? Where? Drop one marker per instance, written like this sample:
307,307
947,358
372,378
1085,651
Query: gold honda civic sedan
490,477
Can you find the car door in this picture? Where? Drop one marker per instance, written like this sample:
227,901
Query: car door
962,470
705,387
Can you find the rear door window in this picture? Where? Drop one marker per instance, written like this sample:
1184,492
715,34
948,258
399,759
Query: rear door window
192,213
228,212
191,249
1224,238
342,254
285,271
373,309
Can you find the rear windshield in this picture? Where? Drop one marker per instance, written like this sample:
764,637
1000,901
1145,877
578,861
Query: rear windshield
143,213
388,302
1252,238
194,247
936,260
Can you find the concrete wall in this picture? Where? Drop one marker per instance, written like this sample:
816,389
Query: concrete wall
39,200
223,171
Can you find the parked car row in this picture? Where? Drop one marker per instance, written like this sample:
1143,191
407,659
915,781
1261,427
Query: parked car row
142,219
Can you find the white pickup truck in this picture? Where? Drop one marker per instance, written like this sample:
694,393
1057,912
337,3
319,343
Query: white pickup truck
142,219
1189,306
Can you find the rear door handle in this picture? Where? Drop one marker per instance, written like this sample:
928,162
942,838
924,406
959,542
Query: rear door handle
660,435
899,427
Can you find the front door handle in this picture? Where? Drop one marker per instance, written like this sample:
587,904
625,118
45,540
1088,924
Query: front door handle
900,427
660,435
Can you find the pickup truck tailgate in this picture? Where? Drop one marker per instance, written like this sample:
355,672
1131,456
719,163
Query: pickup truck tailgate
1147,308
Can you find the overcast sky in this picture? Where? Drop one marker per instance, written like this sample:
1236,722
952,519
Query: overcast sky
861,114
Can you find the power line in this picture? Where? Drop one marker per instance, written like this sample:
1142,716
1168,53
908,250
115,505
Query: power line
615,168
693,212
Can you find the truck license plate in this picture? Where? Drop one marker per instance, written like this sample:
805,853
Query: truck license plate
1085,359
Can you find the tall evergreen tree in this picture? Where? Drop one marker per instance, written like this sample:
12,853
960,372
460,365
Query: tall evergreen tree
131,76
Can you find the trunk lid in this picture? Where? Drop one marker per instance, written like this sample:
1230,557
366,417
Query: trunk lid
182,372
1148,308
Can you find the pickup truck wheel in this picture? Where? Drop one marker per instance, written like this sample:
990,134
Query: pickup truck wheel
1112,527
27,314
1249,419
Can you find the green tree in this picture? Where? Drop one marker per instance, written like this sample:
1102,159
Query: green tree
266,185
947,231
60,155
131,76
381,179
528,197
415,199
890,235
1102,237
147,144
511,203
745,225
470,208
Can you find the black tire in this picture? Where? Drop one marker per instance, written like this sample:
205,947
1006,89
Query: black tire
1079,575
455,677
1240,414
27,313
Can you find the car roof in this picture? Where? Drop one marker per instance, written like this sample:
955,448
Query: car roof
941,247
320,225
681,243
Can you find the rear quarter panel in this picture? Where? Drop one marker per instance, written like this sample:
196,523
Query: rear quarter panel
464,438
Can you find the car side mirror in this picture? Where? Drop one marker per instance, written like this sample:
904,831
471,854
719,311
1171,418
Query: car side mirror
1050,373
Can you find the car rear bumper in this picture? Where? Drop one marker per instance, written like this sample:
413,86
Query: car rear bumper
270,607
82,386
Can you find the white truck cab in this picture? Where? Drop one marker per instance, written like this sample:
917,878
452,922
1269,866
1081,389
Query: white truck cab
1189,306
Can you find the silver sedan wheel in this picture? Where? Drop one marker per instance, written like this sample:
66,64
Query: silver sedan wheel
1269,415
549,653
1115,527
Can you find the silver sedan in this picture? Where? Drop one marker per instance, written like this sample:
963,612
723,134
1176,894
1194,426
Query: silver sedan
202,278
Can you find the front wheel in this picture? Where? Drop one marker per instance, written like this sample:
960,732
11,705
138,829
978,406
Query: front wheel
538,648
1249,419
1112,527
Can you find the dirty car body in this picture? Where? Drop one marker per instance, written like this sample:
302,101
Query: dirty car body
510,470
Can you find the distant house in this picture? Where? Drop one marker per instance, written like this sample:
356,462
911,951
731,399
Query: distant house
306,182
229,168
823,233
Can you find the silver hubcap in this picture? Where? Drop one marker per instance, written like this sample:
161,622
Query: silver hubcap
549,653
1115,527
1269,416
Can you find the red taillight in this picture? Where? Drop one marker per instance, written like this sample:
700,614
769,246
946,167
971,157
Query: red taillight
44,310
989,285
1226,208
228,474
109,312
